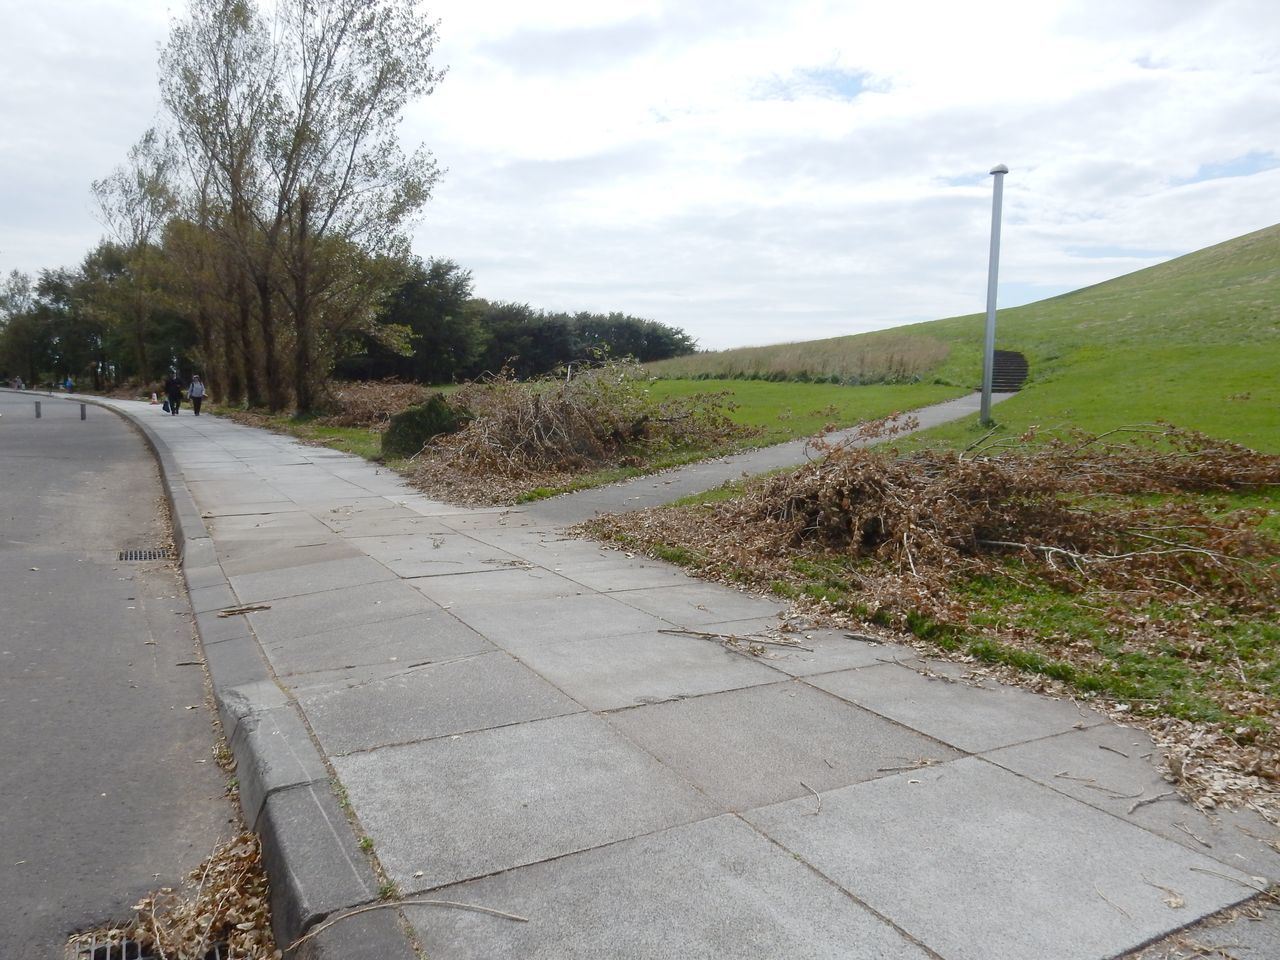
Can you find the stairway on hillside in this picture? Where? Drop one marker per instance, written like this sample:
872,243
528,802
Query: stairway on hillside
1009,371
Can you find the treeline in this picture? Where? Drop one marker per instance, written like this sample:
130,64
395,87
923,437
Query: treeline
453,335
261,233
429,327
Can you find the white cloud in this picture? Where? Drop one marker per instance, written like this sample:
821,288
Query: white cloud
749,171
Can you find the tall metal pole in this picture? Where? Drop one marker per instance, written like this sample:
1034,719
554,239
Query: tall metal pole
993,270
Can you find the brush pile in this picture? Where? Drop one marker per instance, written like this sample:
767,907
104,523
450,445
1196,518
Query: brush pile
369,404
547,432
934,514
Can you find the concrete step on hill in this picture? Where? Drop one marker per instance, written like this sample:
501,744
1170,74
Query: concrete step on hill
1009,372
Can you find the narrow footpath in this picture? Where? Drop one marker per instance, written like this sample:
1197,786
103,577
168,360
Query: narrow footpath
465,705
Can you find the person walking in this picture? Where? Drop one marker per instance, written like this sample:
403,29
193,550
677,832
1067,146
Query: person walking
173,393
195,393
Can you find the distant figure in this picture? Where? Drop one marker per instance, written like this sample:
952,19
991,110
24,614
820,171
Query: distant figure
18,384
69,384
173,393
195,393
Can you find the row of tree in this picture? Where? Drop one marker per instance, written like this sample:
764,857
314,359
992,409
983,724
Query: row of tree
453,335
261,233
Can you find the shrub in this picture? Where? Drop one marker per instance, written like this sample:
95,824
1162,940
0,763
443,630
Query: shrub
413,429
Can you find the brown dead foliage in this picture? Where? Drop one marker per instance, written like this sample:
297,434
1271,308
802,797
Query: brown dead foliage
548,432
1106,520
225,901
935,513
369,404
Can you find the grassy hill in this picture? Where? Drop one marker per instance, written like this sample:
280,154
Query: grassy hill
1195,341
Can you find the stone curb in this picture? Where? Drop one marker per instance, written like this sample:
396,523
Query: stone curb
310,852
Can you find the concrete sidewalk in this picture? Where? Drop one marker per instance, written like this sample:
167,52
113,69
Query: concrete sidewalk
500,711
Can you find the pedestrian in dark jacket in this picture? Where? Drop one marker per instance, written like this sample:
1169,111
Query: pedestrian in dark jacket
173,393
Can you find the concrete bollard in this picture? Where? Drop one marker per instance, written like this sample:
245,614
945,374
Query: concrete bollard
37,409
82,411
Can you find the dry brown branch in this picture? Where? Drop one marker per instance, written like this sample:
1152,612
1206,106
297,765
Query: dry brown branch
396,904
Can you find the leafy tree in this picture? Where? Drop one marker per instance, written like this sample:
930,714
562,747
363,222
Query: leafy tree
291,126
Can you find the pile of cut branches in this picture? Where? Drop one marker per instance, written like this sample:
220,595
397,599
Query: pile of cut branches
546,432
369,404
1143,530
936,513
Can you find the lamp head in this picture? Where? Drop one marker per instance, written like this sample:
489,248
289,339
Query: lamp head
1001,168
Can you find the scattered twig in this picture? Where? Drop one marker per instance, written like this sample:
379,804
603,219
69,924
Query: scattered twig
1223,876
1174,900
816,795
1155,799
1103,746
734,638
1200,840
247,608
1095,785
1111,902
391,905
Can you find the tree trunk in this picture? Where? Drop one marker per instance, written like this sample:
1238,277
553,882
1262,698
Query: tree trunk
276,387
303,352
252,383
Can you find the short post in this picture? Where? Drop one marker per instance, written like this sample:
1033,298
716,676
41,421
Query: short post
993,269
82,408
37,409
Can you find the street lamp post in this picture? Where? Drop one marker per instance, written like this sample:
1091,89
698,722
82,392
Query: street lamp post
993,269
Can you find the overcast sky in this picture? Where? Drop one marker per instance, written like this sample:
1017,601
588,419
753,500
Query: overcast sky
752,171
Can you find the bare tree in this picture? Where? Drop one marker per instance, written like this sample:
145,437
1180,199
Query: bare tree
136,201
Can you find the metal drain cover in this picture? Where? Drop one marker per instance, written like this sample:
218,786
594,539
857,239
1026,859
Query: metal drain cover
146,553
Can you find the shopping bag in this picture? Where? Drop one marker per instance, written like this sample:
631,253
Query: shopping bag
165,406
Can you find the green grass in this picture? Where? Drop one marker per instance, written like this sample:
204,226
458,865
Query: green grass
361,441
1194,341
787,411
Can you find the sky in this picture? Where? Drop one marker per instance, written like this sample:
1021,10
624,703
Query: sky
751,171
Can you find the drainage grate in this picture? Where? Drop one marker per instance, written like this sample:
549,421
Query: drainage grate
147,553
113,949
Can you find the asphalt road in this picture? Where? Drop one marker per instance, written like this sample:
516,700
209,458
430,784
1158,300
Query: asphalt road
108,785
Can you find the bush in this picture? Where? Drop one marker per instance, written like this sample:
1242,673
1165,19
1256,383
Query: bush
413,429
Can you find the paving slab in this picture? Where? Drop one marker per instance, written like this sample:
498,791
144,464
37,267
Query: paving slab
292,524
980,864
497,583
590,616
400,642
350,608
973,718
613,574
465,806
748,748
509,518
427,555
308,577
694,604
703,891
459,696
607,673
1112,768
243,557
817,650
389,520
